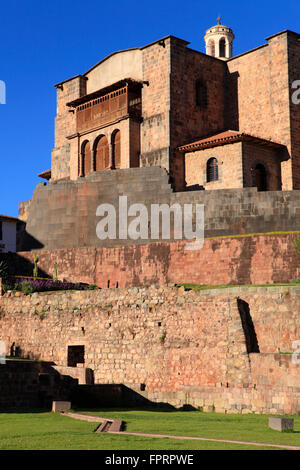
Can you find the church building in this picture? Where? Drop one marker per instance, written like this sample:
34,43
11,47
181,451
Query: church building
213,121
167,124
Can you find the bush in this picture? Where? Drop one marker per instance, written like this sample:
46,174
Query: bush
92,287
35,267
28,286
25,287
3,270
297,244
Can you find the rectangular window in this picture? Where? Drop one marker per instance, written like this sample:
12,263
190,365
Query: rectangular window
201,94
75,355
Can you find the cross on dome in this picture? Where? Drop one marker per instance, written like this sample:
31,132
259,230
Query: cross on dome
219,41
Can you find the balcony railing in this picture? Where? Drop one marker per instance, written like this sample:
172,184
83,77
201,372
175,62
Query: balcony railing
107,108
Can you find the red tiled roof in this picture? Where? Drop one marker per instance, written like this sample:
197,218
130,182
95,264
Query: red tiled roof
46,175
8,218
226,137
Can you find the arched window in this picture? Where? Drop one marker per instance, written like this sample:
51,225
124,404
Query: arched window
86,159
116,149
101,154
260,175
212,173
212,48
222,46
201,94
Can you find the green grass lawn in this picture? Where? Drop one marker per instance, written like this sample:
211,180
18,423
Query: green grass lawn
295,282
50,431
250,427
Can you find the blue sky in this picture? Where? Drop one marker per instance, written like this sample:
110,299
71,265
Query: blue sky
44,42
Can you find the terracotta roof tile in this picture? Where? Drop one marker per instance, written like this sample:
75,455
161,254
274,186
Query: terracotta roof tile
45,175
226,137
8,218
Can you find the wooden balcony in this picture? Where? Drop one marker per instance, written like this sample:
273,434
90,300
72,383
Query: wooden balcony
107,108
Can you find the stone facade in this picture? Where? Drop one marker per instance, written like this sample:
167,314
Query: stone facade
24,208
250,93
170,345
236,164
31,384
219,350
260,99
64,126
174,109
229,176
239,260
63,214
9,227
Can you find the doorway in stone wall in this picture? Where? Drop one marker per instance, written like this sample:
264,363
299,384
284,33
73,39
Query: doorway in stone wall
261,177
75,355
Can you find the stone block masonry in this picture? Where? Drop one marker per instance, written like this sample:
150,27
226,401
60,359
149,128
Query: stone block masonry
63,214
168,344
32,384
259,97
281,424
61,406
250,93
229,260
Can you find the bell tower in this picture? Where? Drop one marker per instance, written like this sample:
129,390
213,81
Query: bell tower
218,41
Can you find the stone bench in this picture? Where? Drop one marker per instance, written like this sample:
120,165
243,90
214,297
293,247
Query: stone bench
281,424
61,405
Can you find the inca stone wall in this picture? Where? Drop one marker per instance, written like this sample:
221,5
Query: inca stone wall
239,260
63,214
220,350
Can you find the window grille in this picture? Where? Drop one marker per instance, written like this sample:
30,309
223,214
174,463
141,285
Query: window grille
212,170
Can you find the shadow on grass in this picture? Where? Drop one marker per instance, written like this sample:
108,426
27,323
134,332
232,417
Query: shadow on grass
161,408
24,410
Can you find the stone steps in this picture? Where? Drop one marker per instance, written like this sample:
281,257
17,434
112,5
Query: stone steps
107,424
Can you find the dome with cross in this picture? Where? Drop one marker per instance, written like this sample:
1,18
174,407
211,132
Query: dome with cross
219,40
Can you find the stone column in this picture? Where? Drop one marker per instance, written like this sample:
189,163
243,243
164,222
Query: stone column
94,152
79,158
110,148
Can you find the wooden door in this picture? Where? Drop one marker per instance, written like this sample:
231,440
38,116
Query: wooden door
102,154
